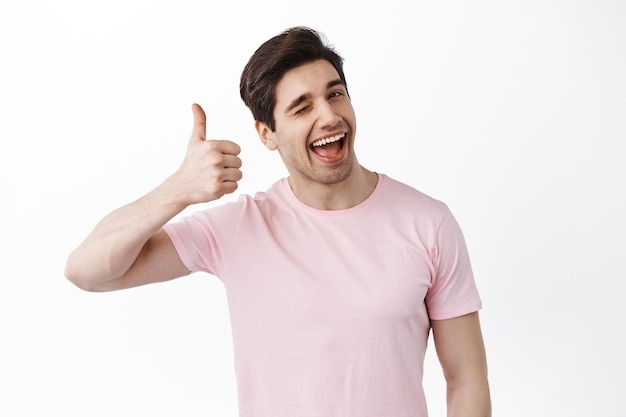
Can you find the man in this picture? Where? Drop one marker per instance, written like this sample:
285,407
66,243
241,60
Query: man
334,276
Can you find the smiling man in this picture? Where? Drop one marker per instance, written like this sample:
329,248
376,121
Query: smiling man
314,133
335,276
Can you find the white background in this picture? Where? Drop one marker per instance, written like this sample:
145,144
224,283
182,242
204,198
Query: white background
512,112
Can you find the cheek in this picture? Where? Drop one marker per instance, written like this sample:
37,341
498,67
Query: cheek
347,112
296,136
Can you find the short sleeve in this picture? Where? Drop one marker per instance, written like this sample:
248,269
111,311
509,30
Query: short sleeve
453,292
193,242
204,238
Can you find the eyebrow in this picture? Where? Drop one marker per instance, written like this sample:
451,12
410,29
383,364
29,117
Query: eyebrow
295,103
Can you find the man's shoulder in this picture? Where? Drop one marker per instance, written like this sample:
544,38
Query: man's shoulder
269,200
401,193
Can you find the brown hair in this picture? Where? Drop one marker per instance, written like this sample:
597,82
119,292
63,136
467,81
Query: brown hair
294,47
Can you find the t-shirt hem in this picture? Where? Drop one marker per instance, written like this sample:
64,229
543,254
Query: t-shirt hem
451,314
181,250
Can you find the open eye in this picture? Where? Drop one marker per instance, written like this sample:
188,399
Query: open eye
335,94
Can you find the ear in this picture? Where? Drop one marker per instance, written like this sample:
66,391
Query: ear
266,135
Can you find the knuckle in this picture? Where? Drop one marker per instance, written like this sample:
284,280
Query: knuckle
216,159
219,178
215,190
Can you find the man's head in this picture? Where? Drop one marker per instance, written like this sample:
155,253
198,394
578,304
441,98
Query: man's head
292,48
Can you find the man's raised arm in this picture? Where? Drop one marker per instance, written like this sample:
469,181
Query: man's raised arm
129,247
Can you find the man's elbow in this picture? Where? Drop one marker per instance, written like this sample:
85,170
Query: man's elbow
78,276
75,278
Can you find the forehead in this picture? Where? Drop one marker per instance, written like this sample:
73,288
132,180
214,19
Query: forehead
306,79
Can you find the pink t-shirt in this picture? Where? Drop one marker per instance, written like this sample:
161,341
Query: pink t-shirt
330,309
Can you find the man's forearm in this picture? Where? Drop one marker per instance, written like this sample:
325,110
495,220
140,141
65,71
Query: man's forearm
114,244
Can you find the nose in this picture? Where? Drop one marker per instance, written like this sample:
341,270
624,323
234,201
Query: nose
327,115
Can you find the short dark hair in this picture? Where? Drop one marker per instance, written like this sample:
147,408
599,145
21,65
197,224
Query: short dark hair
293,47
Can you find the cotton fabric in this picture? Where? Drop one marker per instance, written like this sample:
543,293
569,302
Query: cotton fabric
330,310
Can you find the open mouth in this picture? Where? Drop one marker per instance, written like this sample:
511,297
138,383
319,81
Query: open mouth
329,147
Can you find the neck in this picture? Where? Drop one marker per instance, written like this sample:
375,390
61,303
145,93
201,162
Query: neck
344,195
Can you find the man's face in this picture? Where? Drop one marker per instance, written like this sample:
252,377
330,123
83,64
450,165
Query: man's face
315,124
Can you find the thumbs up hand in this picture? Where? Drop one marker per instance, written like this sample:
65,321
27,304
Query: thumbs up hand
210,169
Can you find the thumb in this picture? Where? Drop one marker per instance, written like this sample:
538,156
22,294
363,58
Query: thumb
199,123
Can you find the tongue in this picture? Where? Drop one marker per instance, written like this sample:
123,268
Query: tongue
330,149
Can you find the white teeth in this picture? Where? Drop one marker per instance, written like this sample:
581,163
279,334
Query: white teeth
323,142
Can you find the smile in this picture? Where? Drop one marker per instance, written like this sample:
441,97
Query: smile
331,149
326,141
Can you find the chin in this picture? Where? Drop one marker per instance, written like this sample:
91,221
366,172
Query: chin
337,175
